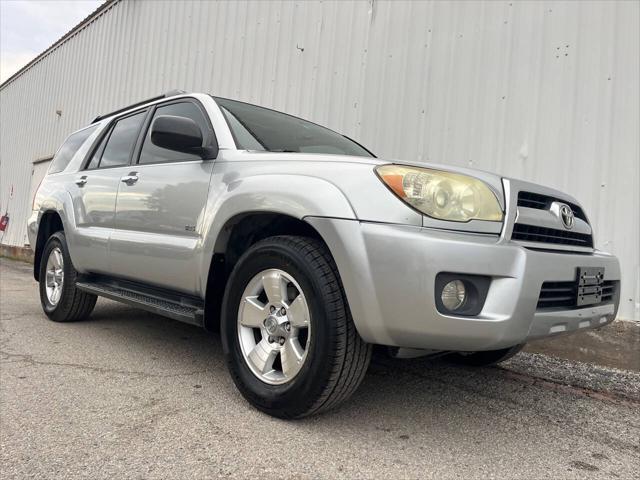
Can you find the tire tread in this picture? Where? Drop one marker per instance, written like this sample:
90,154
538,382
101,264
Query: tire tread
352,354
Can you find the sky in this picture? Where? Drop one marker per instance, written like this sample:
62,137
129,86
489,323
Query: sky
28,27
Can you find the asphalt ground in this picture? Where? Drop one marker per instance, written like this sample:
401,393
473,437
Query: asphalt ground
128,394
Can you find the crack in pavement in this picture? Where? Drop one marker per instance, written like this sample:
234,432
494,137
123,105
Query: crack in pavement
27,358
7,317
612,397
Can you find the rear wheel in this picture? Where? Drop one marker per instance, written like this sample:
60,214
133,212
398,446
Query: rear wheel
483,359
60,299
291,345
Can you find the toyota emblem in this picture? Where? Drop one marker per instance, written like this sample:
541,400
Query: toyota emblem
567,216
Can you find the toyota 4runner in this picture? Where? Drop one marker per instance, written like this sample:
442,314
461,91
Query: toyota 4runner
304,249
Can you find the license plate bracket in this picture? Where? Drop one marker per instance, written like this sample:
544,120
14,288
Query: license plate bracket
589,285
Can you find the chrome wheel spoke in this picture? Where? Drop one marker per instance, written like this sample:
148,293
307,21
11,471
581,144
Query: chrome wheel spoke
263,355
291,356
57,258
275,287
253,313
298,312
56,293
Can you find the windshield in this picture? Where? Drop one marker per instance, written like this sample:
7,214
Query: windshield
262,129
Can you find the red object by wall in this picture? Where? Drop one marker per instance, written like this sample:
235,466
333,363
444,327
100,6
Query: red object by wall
4,221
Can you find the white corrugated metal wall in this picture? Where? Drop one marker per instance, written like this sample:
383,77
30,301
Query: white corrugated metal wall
545,91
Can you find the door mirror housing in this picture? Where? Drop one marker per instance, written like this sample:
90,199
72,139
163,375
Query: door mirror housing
177,133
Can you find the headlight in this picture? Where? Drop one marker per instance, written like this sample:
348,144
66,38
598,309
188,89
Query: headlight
442,195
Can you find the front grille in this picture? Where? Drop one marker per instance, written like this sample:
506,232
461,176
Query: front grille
565,294
543,202
531,233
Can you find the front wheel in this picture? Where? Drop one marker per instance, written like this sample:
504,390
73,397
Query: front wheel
290,343
60,299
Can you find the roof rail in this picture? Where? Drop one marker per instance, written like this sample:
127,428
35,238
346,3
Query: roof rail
170,93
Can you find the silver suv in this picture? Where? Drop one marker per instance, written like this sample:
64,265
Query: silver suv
304,249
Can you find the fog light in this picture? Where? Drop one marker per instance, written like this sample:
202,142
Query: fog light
453,295
460,294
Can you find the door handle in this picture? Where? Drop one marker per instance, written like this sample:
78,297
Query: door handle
130,179
81,181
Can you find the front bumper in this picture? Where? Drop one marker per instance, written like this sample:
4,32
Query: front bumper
389,271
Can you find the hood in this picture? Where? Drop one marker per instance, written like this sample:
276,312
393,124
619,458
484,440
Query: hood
494,181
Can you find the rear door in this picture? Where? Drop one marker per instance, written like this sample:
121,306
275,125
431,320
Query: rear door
160,209
95,188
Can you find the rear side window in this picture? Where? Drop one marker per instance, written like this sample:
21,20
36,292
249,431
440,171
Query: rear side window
153,154
117,146
121,141
69,148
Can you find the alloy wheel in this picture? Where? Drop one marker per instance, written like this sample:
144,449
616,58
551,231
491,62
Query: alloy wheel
54,276
274,327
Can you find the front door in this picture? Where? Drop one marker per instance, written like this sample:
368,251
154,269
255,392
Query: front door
159,212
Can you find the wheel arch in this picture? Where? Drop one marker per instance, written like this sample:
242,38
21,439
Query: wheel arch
50,223
237,235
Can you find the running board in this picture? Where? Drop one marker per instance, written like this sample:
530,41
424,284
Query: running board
163,302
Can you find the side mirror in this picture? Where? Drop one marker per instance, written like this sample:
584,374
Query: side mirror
176,133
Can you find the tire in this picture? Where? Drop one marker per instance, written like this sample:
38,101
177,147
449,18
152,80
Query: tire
335,358
485,359
68,304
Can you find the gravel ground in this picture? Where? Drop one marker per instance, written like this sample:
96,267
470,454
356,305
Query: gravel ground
132,395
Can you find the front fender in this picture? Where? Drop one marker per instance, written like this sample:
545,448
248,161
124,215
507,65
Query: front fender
294,195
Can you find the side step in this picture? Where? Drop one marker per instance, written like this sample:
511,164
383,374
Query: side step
162,302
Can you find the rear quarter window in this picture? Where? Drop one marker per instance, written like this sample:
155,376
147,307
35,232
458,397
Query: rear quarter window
69,148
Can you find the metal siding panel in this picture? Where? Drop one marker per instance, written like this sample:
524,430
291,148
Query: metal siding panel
545,91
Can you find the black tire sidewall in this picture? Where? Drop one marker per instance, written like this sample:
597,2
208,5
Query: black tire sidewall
297,396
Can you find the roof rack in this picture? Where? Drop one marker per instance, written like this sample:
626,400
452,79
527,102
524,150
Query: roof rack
170,93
